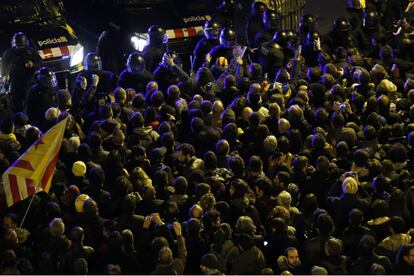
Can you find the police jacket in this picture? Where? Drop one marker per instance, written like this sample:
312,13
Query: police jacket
38,100
271,57
136,81
221,51
13,63
106,85
153,56
202,48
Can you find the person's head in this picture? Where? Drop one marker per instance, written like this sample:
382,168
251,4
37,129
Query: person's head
196,211
46,77
92,62
308,22
379,208
208,262
212,29
292,255
271,19
9,221
185,152
157,35
333,247
228,38
135,63
406,254
222,147
236,165
80,266
56,227
19,41
245,224
64,99
257,8
397,224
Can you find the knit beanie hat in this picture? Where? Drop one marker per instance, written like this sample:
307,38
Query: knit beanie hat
349,185
79,202
79,168
210,261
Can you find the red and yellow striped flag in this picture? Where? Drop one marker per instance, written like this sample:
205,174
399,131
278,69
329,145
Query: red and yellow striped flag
34,169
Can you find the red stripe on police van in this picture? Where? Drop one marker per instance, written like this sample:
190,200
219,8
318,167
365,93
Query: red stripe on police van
178,33
192,32
64,50
47,53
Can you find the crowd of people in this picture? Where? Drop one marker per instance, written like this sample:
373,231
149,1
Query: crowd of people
289,153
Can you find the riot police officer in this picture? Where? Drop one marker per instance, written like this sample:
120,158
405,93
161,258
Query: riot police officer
292,43
41,96
101,84
271,54
111,47
135,76
311,48
205,44
354,13
228,40
18,65
156,46
307,23
168,71
370,26
340,36
271,23
255,21
225,13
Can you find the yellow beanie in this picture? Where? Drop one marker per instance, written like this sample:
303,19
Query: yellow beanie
79,202
349,185
78,168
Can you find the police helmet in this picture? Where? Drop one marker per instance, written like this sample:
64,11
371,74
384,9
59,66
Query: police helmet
19,40
211,29
135,63
257,8
341,25
92,62
370,20
157,35
271,19
228,37
46,77
292,38
308,23
228,4
281,38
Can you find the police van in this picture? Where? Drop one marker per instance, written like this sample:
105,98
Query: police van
43,23
183,20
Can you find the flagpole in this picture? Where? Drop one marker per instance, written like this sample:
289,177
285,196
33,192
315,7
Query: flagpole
27,210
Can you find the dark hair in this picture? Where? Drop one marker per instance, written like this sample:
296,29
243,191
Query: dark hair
356,217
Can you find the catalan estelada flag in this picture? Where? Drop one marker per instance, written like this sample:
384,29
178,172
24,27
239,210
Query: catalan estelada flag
33,171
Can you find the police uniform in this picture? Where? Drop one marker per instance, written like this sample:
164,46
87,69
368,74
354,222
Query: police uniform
271,57
203,47
136,81
21,78
153,56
